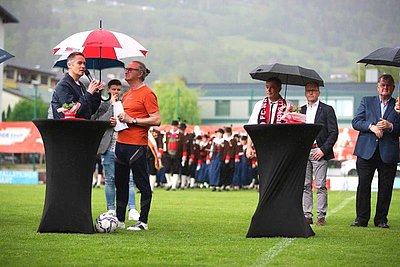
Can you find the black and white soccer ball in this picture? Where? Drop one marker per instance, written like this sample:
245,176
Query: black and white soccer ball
106,223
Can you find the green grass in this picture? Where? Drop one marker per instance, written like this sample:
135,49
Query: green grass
193,227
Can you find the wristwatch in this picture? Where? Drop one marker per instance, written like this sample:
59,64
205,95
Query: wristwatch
134,121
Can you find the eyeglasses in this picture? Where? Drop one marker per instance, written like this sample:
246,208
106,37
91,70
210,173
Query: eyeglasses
130,69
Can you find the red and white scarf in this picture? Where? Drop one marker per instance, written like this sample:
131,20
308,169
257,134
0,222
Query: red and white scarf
264,115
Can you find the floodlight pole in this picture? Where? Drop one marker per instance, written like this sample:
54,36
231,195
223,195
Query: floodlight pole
35,84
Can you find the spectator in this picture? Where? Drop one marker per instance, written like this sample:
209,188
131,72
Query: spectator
377,148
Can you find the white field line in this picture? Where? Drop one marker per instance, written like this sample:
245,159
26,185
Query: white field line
270,254
341,205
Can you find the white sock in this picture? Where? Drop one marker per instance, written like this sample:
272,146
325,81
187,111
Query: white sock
184,179
152,179
174,180
99,176
192,181
168,177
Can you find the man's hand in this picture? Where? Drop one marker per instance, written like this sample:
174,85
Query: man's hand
250,153
113,121
378,132
123,117
384,125
114,98
318,154
95,86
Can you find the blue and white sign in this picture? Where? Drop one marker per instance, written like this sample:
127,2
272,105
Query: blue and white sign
19,177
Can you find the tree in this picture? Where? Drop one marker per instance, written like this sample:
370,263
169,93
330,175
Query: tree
177,101
394,71
23,110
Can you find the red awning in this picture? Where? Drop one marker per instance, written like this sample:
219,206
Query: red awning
20,137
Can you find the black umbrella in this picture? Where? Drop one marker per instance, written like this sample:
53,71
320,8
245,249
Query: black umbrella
288,74
4,55
386,56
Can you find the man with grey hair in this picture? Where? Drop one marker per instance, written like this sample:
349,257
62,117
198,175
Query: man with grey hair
70,90
377,148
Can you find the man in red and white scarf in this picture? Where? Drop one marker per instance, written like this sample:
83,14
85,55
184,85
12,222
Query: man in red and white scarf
268,110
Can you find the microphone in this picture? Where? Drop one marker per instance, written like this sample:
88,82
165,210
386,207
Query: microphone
88,75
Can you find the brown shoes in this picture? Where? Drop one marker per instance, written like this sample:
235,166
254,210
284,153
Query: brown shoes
321,221
309,220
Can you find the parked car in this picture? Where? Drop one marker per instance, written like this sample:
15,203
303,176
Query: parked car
348,168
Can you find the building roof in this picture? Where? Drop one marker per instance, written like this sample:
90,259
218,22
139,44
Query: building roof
257,90
6,16
32,69
28,92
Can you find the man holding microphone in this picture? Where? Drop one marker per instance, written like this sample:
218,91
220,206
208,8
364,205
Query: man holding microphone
70,90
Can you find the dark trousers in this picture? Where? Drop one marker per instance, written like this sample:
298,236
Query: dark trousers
386,175
172,164
227,170
124,163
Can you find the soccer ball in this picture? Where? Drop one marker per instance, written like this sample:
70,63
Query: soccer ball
106,223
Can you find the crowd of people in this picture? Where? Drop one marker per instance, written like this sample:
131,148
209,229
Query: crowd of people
208,160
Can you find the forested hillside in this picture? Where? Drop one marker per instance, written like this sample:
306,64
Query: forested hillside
213,40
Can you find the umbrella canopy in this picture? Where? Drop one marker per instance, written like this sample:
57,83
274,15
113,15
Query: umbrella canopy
288,74
92,63
101,43
386,56
4,55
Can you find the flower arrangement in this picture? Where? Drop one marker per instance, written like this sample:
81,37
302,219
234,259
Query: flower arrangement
397,105
293,115
69,110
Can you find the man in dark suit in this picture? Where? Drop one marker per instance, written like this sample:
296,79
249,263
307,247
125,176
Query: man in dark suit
321,151
70,90
377,148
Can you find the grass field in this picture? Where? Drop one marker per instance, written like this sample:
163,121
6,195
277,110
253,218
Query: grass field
193,228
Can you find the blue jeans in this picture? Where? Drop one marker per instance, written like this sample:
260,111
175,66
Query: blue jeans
108,159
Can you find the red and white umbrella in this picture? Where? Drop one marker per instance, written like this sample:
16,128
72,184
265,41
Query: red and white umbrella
101,43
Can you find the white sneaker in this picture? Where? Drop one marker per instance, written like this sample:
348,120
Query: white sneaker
121,225
112,212
133,215
138,226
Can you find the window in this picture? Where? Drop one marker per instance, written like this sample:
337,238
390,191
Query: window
44,79
9,74
251,105
343,107
222,107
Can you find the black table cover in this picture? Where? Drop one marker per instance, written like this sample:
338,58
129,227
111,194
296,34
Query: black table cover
282,152
71,147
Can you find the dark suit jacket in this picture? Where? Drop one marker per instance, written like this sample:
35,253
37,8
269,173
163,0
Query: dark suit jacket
328,135
68,91
369,112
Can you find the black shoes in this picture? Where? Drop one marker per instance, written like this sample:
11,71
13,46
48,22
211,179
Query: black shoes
382,225
359,224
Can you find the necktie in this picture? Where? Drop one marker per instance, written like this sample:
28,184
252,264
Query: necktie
271,118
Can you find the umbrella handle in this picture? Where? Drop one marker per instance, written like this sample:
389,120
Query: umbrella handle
106,99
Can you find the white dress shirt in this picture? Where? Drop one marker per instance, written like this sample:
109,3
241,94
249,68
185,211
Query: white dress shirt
311,112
